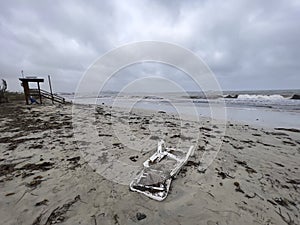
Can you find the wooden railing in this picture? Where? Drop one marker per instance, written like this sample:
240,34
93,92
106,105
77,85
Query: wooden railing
48,95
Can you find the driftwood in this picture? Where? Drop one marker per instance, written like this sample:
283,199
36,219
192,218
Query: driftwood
288,220
58,214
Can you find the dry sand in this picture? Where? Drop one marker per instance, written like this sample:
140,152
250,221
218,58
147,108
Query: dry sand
51,173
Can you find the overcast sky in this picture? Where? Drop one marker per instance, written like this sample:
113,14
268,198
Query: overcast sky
247,44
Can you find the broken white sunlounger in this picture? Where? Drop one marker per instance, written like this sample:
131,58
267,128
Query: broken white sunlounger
155,179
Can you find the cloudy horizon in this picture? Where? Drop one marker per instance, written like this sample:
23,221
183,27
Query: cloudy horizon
249,45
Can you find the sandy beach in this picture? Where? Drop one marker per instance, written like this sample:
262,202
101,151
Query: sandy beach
55,169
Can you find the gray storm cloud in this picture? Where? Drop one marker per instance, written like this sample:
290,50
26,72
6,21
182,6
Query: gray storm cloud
247,44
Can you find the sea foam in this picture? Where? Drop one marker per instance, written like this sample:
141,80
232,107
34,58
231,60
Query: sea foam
261,97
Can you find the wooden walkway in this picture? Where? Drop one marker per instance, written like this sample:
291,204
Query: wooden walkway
48,95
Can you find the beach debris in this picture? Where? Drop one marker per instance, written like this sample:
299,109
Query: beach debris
7,169
278,164
38,177
34,183
36,146
116,219
249,196
250,170
282,201
92,189
140,216
237,147
44,202
100,110
118,145
181,136
37,220
205,129
155,178
265,144
245,165
288,129
57,215
288,143
26,174
202,169
238,187
154,138
95,220
277,133
134,158
192,163
210,135
288,220
294,181
104,135
242,163
224,174
273,203
9,194
74,160
41,166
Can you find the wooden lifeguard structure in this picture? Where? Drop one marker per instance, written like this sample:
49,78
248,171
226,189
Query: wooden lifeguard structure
27,91
38,92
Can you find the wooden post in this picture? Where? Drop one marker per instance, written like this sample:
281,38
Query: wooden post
38,83
26,91
50,89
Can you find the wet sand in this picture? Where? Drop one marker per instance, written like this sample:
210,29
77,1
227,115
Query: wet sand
57,169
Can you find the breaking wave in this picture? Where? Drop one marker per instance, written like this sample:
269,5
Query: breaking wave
261,97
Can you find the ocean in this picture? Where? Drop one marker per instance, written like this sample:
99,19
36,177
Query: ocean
266,108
